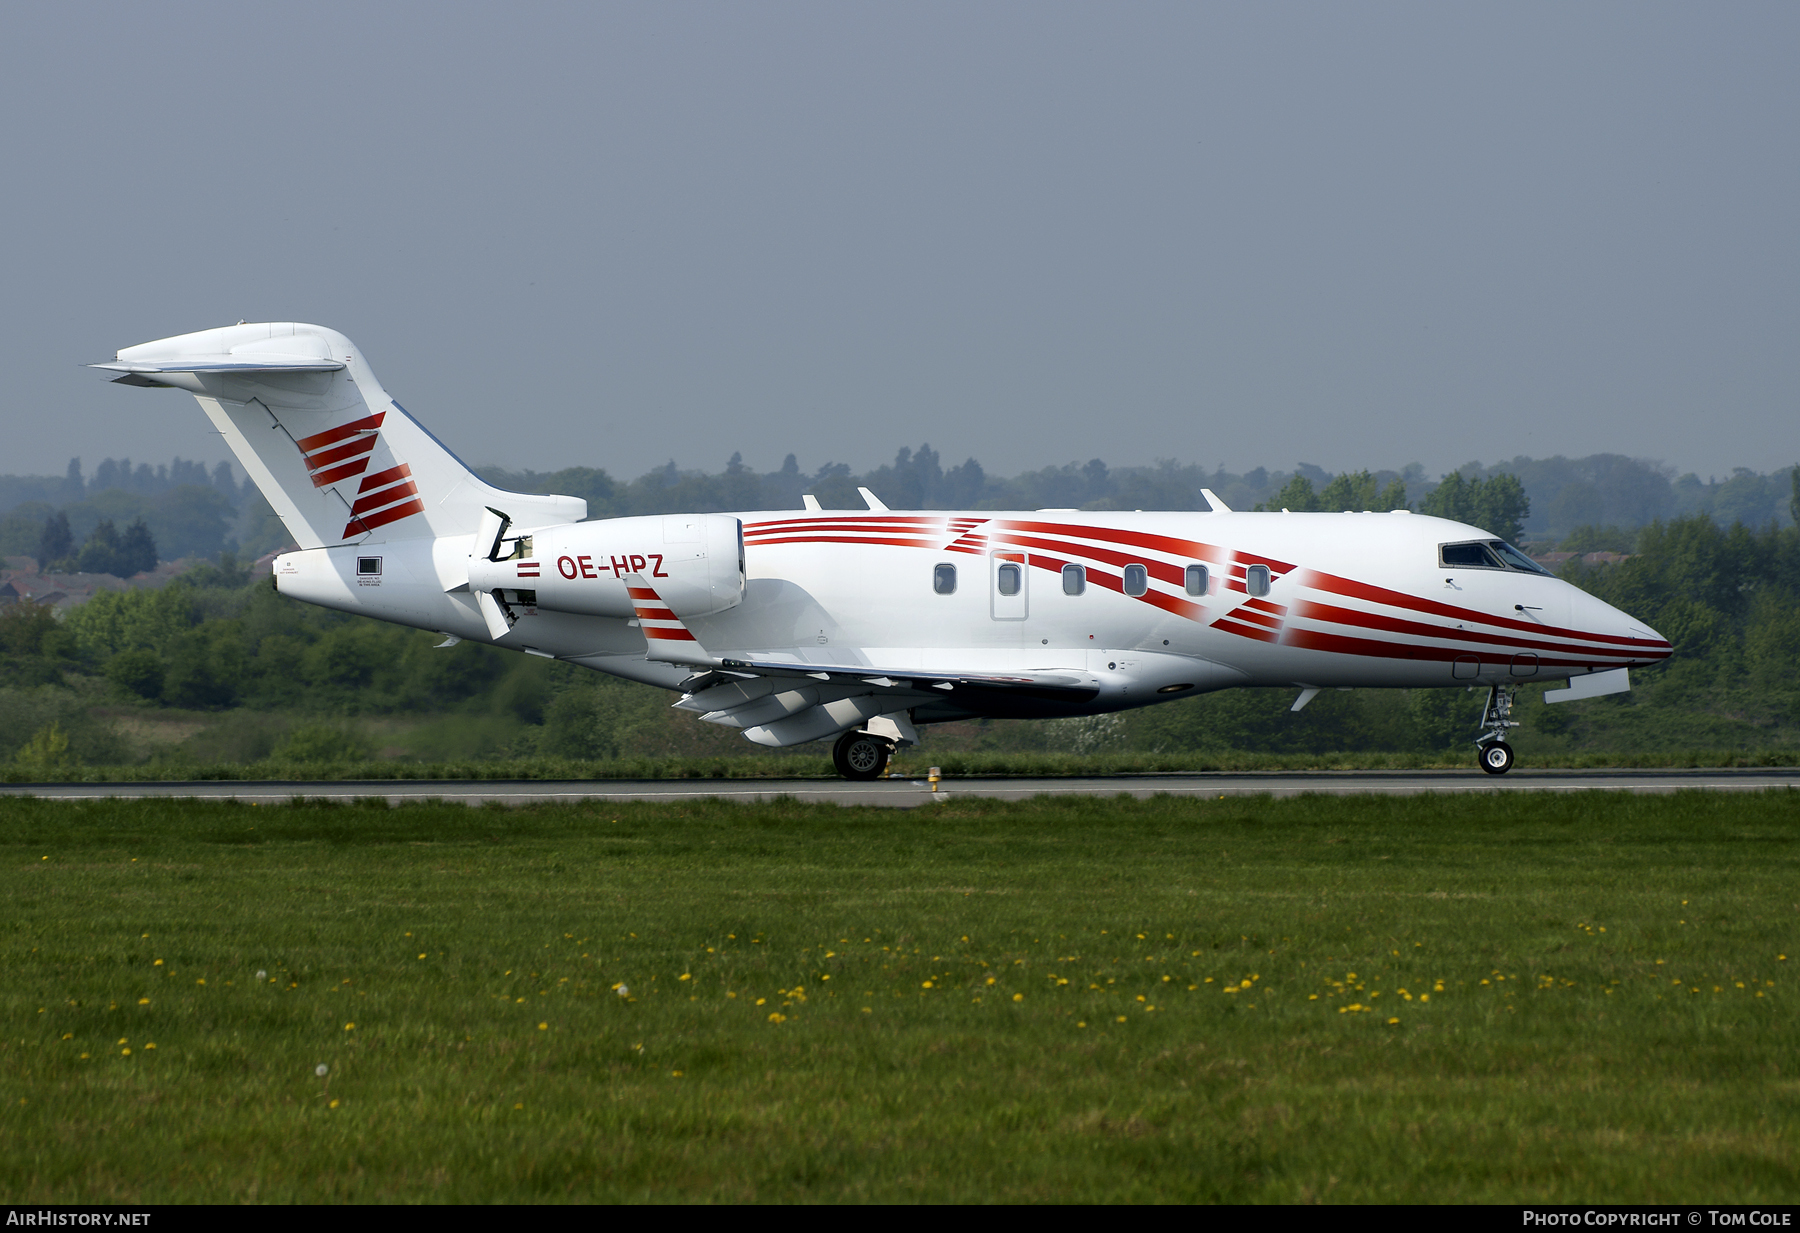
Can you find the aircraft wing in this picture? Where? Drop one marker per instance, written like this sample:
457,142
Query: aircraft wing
780,702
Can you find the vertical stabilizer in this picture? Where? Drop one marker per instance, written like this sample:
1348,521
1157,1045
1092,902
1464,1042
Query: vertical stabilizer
339,460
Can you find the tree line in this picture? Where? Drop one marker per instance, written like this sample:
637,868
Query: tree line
1597,502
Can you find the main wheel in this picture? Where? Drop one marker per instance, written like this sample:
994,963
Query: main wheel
1496,757
857,755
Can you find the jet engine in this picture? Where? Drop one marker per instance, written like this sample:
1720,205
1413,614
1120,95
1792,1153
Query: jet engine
695,562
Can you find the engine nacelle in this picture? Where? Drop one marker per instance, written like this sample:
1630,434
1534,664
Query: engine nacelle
695,562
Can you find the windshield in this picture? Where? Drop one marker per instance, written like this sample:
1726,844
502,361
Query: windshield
1516,559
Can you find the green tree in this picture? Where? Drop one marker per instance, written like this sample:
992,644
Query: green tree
115,621
1497,505
1296,495
57,543
138,672
1360,490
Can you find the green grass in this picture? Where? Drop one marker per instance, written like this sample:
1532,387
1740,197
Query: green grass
1595,1003
912,762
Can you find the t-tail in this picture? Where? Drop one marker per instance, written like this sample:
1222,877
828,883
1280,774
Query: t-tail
340,461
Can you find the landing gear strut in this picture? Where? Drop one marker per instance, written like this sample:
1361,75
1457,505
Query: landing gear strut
858,755
1495,755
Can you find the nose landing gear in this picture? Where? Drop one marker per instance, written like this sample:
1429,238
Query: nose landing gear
1494,755
859,755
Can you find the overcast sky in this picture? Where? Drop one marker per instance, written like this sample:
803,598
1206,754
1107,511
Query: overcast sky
1357,235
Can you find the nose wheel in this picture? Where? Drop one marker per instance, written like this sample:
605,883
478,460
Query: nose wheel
1495,755
858,755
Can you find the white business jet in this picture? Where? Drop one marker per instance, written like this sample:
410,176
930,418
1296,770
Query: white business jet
864,625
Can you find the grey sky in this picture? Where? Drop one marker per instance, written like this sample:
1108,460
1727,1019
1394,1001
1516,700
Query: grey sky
1358,235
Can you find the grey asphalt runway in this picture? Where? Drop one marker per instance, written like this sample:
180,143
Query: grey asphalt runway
907,793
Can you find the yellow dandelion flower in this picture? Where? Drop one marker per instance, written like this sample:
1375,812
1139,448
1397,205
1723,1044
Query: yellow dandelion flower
151,1045
760,1001
143,1001
924,984
157,964
1121,1018
124,1053
1018,997
777,1017
1391,1022
349,1027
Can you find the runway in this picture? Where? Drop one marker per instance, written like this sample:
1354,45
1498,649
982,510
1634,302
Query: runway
910,793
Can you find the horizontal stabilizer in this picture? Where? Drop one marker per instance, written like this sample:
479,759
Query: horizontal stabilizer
226,364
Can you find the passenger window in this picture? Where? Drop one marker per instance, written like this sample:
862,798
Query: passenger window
1196,580
1137,580
1256,580
943,580
1007,578
1074,579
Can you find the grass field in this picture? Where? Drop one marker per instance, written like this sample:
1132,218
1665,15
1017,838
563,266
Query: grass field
1578,997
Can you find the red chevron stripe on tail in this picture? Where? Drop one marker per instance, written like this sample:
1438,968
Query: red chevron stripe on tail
383,498
341,452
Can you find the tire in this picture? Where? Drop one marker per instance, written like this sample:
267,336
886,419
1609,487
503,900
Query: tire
857,755
1496,757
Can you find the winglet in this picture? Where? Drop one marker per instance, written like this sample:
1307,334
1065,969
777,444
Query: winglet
667,639
811,502
1212,499
875,505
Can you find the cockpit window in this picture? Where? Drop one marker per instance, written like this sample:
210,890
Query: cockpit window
1487,554
1516,559
1467,556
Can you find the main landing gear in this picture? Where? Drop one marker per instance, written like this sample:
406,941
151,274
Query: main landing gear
858,755
1495,756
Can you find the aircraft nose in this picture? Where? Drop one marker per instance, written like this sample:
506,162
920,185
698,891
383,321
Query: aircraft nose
1643,644
1649,647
